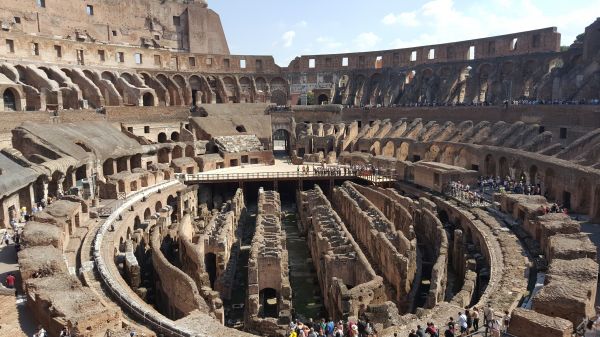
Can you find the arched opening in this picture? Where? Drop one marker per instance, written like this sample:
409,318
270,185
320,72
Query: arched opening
137,222
189,151
503,170
108,167
281,142
388,149
533,175
518,172
268,301
147,214
157,206
172,202
402,151
148,99
490,165
210,264
10,101
163,156
162,137
549,184
177,152
322,99
584,191
175,136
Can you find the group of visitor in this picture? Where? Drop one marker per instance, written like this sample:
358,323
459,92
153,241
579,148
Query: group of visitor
467,323
475,103
329,328
463,192
509,185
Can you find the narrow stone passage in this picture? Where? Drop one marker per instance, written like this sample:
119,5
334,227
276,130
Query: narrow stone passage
307,300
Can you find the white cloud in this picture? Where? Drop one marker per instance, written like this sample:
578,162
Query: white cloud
288,38
366,41
408,19
302,24
328,44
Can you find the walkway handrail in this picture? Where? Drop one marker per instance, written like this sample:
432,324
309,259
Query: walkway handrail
281,175
108,279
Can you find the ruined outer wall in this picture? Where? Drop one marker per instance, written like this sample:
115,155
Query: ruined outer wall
169,24
535,41
191,256
179,294
429,229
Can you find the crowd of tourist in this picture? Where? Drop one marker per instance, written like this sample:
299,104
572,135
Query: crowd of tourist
340,170
523,101
466,323
330,328
475,195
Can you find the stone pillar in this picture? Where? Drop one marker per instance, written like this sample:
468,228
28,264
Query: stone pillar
458,251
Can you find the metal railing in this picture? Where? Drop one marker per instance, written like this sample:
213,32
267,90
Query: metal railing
281,175
110,280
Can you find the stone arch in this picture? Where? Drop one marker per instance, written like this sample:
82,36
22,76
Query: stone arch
503,169
177,152
533,175
281,140
158,206
109,76
485,71
375,148
246,94
402,151
269,302
184,88
172,89
322,99
162,137
230,87
163,156
108,167
448,155
148,99
147,214
490,165
584,192
175,136
389,149
432,153
462,159
12,100
189,151
199,91
518,172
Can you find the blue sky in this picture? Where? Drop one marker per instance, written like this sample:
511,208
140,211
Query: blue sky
290,28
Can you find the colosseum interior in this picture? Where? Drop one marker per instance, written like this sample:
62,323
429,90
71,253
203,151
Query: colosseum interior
150,181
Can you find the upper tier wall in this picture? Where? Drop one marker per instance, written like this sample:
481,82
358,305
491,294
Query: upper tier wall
182,25
61,51
534,41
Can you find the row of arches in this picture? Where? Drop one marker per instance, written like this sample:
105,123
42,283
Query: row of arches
52,87
465,83
579,193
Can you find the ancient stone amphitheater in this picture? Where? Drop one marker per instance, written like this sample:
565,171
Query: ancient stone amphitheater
161,185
